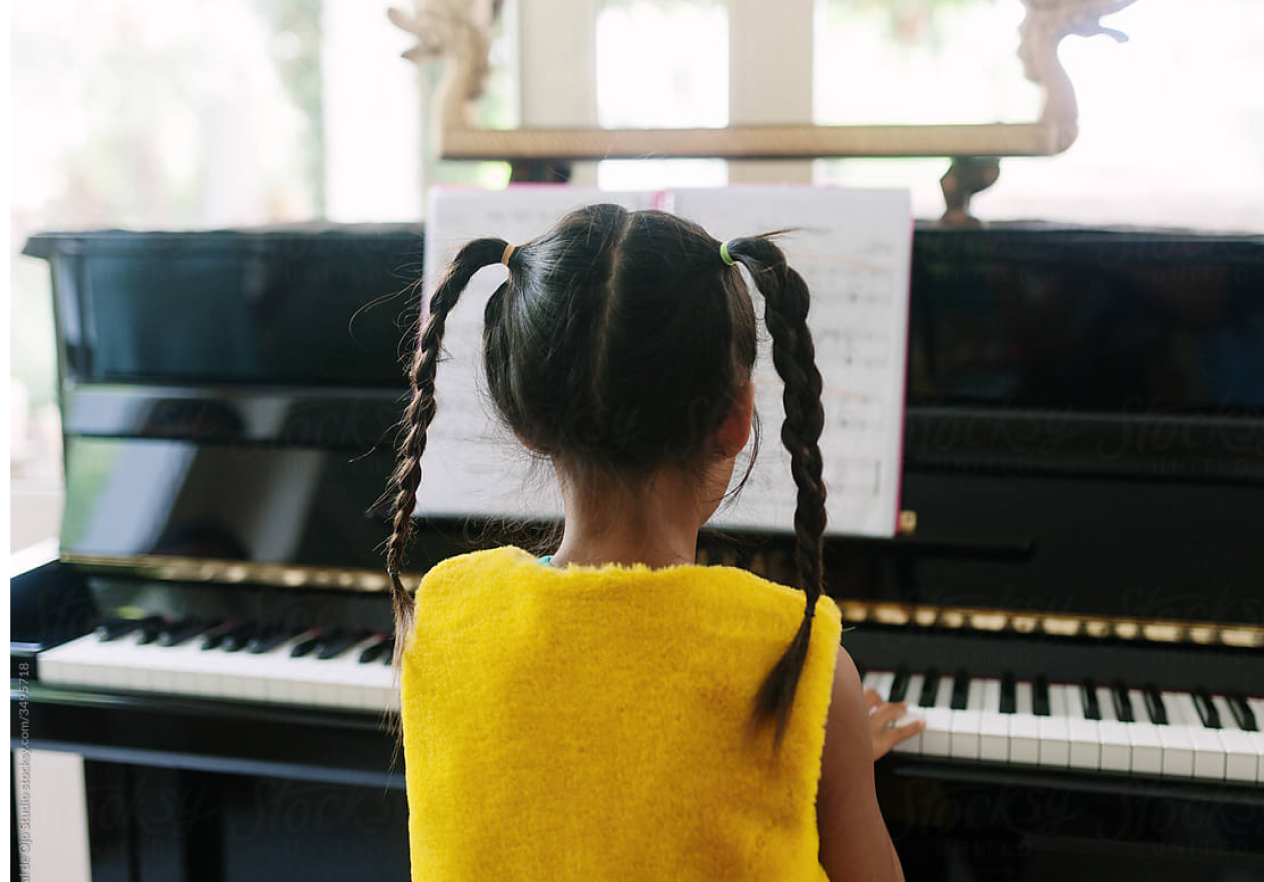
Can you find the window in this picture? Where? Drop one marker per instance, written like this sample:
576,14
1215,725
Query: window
1170,122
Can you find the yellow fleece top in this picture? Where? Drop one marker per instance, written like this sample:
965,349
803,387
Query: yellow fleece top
589,724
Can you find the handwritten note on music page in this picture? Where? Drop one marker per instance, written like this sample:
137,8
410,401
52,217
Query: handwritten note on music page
851,246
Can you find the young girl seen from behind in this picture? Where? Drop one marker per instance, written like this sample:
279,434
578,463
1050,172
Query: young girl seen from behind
615,711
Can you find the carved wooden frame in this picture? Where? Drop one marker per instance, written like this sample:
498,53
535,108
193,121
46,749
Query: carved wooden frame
458,31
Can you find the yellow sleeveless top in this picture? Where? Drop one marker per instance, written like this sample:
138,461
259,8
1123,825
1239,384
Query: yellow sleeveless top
589,723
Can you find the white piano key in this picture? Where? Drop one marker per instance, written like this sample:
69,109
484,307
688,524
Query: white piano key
1241,758
1084,734
993,725
1209,753
1024,730
178,672
882,684
69,663
1257,738
1178,748
912,745
937,736
1147,749
1055,739
966,724
1116,745
348,683
187,669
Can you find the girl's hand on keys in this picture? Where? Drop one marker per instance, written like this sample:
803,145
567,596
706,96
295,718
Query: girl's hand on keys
882,717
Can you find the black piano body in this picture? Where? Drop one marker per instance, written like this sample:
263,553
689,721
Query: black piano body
1084,453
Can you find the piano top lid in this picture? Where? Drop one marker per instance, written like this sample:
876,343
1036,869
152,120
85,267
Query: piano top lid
54,243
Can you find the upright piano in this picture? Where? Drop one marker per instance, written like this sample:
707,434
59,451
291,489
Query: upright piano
1078,612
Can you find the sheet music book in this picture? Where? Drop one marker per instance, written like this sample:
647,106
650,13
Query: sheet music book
852,247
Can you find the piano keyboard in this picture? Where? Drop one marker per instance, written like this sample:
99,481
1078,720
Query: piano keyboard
333,667
1113,727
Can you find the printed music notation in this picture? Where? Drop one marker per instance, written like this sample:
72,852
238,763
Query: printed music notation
852,248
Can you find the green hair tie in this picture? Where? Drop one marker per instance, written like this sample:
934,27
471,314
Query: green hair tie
724,253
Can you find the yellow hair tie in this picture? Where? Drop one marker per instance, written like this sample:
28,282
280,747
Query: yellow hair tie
724,253
504,258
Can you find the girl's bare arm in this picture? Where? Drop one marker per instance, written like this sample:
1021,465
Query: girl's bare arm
854,839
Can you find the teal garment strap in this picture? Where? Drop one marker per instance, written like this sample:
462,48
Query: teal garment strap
547,560
724,253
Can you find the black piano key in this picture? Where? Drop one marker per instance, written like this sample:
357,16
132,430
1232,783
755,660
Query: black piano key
151,630
1206,710
114,629
307,645
960,690
1154,704
1088,699
1123,704
326,636
1040,696
1242,712
239,636
899,686
861,670
374,652
930,689
214,638
389,654
338,643
183,630
1007,693
269,637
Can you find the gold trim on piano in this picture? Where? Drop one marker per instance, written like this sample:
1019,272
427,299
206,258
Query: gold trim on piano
1058,625
182,569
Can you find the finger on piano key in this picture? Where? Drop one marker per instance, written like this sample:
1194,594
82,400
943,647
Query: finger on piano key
937,736
993,725
1147,749
1209,754
1116,745
1241,758
1055,739
1178,748
912,745
1082,729
1024,731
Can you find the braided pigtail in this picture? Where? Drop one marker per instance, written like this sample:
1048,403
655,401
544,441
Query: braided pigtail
786,302
417,418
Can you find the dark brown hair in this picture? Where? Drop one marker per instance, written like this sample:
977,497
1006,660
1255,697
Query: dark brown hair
599,318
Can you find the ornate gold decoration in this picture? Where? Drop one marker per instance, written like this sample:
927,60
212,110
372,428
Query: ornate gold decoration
1060,625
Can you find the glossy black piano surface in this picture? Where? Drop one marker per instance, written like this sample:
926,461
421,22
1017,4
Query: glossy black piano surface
1084,451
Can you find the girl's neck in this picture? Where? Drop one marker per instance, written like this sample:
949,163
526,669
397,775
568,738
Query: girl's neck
658,527
624,548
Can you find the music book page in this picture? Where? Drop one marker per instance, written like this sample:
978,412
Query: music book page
852,247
